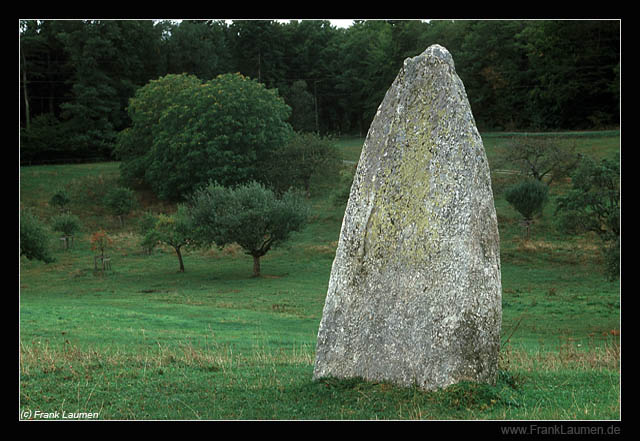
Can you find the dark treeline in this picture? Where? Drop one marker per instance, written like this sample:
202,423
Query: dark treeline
76,77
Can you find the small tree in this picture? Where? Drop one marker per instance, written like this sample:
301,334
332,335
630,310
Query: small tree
249,215
120,201
529,198
100,240
175,231
67,224
34,238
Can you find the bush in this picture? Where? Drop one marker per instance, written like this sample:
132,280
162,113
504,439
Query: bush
34,238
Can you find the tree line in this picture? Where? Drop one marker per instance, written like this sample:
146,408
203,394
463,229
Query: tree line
78,76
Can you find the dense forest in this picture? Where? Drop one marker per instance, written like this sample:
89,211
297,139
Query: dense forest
76,77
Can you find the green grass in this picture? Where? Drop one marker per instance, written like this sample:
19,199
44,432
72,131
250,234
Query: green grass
143,341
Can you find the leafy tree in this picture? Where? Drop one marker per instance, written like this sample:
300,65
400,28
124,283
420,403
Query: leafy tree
175,230
528,197
593,204
221,130
135,143
258,47
570,72
250,215
34,238
491,63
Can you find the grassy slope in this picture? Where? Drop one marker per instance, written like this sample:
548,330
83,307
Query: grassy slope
145,342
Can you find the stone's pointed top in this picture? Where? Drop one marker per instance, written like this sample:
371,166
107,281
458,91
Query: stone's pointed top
437,51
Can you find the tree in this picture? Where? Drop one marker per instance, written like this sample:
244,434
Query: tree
528,197
34,238
593,204
250,215
541,157
146,107
100,240
175,230
220,130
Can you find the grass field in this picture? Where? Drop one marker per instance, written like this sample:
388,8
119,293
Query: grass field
144,341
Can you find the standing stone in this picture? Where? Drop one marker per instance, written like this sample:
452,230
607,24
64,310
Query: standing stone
415,293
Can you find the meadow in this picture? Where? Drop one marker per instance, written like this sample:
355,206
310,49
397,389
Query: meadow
143,341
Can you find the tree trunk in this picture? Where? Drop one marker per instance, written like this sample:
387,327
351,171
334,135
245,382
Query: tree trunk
180,259
256,266
26,96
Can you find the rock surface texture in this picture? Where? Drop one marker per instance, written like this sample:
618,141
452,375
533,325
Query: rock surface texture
414,296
